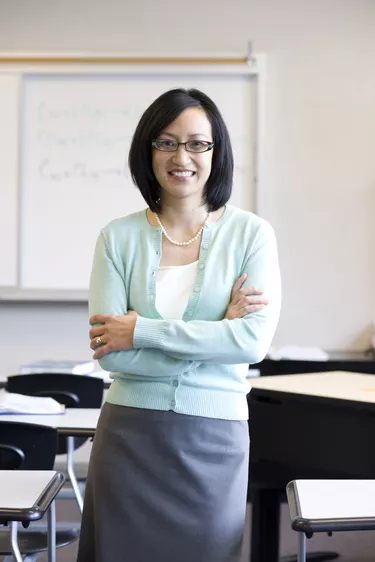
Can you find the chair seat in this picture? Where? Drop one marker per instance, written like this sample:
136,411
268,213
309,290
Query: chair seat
32,542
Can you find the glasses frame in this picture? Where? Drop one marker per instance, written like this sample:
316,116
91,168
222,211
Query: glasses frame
209,146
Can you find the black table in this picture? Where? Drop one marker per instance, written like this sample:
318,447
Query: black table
355,361
305,426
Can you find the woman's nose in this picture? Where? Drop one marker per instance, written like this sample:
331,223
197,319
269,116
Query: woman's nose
181,155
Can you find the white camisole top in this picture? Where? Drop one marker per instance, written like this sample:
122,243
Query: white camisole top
174,285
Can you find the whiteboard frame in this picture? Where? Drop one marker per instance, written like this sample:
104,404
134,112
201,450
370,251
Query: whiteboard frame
18,64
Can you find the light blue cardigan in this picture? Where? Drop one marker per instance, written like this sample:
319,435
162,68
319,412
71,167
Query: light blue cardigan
187,365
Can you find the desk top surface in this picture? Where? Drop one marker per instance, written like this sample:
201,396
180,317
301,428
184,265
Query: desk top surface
351,356
335,355
341,385
74,421
335,499
21,489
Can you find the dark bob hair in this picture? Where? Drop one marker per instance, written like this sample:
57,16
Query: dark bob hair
161,113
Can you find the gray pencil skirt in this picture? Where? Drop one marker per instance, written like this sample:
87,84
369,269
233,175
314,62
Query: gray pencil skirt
165,487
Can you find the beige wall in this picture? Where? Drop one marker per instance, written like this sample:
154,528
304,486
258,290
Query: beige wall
319,189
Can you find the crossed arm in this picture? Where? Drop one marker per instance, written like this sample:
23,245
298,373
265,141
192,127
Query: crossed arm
117,326
168,347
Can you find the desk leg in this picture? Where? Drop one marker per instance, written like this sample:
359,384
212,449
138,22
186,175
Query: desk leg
265,526
71,473
301,547
265,531
14,542
51,535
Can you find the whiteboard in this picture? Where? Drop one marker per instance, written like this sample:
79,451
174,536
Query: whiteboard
9,89
75,133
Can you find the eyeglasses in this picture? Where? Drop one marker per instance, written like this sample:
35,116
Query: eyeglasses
168,145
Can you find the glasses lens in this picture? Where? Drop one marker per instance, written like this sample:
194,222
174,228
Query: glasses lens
166,145
198,146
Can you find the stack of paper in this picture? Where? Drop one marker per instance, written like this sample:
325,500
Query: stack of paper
11,403
297,353
50,366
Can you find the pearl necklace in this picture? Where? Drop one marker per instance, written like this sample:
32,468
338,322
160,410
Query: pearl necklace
181,243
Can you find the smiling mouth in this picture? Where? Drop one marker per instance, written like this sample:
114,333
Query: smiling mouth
182,174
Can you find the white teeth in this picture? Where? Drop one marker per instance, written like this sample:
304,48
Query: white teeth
182,174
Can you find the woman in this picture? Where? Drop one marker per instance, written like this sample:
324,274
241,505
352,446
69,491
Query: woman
175,310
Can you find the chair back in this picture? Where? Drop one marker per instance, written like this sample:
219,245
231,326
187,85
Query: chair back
74,391
27,446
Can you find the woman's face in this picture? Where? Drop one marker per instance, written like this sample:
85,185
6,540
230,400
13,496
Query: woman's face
182,174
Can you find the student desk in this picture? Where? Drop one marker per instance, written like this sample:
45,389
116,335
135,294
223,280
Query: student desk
75,422
25,496
318,506
308,426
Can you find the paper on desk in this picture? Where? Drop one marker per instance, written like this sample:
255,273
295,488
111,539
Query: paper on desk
11,403
296,352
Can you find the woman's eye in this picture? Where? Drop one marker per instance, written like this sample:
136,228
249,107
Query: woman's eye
167,143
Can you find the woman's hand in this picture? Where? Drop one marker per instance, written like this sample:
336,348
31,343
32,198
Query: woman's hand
115,333
244,300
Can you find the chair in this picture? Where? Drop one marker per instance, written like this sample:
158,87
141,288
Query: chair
317,506
75,391
25,446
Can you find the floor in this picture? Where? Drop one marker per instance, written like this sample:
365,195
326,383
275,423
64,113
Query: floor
352,546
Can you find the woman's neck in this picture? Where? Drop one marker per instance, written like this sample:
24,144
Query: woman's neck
183,217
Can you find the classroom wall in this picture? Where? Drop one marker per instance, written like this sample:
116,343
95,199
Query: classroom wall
319,186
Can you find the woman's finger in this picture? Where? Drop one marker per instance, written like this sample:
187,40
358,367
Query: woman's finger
98,342
238,284
102,350
254,300
243,293
96,332
100,319
251,291
248,309
243,302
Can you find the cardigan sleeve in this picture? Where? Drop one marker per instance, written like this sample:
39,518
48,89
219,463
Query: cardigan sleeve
107,295
244,340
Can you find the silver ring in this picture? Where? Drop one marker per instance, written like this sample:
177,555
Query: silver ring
98,341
